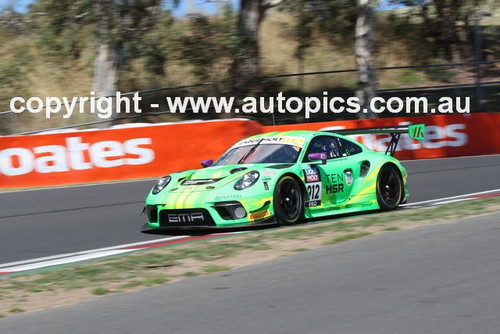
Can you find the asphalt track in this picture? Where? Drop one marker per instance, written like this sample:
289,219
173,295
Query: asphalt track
49,222
437,279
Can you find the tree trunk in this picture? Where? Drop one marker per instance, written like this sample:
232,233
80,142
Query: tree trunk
365,56
246,68
106,76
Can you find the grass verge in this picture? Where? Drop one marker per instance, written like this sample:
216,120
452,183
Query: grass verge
33,291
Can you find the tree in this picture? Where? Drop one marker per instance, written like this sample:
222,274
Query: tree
365,55
246,65
337,19
442,20
117,23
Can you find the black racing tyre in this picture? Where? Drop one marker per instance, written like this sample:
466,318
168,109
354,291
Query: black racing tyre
389,188
288,201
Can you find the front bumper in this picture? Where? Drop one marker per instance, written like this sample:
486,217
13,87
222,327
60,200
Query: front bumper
202,229
226,214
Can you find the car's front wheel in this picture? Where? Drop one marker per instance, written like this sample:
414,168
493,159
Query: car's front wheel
389,188
288,201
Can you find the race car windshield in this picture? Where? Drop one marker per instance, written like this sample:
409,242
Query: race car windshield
263,153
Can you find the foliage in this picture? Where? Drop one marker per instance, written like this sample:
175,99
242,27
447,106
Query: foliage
135,27
209,45
334,19
447,24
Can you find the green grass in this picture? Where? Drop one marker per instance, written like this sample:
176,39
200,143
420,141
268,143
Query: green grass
347,237
155,281
215,269
99,291
220,250
17,310
130,285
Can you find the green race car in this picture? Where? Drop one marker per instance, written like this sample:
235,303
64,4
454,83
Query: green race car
283,178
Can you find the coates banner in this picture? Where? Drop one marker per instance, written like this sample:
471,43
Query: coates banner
155,150
445,135
115,154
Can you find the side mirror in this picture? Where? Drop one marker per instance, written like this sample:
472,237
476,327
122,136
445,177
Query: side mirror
207,163
317,156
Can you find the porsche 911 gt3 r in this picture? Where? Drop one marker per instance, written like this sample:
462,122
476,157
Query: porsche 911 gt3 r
282,177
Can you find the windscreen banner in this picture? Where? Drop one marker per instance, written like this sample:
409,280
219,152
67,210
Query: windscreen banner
155,150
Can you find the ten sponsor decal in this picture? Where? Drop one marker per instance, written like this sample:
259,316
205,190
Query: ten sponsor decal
75,155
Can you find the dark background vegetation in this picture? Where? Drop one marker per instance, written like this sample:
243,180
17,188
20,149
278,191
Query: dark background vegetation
55,48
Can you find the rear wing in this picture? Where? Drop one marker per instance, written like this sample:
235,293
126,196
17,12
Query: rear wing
416,131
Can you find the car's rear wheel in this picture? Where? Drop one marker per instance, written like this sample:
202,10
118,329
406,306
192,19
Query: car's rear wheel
288,201
389,188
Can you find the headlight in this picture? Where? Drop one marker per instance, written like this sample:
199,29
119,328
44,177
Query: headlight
162,183
247,180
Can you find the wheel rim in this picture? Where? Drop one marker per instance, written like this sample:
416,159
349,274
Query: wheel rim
389,187
289,199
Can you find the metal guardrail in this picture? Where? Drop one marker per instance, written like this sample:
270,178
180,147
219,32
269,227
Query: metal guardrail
477,84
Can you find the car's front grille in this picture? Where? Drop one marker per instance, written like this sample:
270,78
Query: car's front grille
186,217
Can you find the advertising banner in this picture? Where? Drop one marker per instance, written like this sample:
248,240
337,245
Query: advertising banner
445,135
115,154
156,150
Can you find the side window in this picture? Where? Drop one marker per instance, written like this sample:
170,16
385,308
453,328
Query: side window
347,148
323,144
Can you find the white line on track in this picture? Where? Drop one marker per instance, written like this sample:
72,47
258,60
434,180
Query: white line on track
49,259
67,258
454,200
452,197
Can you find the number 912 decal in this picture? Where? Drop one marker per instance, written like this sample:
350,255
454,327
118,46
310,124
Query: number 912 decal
313,187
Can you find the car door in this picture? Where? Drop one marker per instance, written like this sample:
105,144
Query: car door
328,184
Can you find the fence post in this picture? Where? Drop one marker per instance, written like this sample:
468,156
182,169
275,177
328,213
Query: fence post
477,43
13,123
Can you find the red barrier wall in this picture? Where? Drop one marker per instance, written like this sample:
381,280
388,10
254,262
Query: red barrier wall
445,135
115,154
155,150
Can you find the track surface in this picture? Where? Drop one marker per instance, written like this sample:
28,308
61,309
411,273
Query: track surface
55,221
436,279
